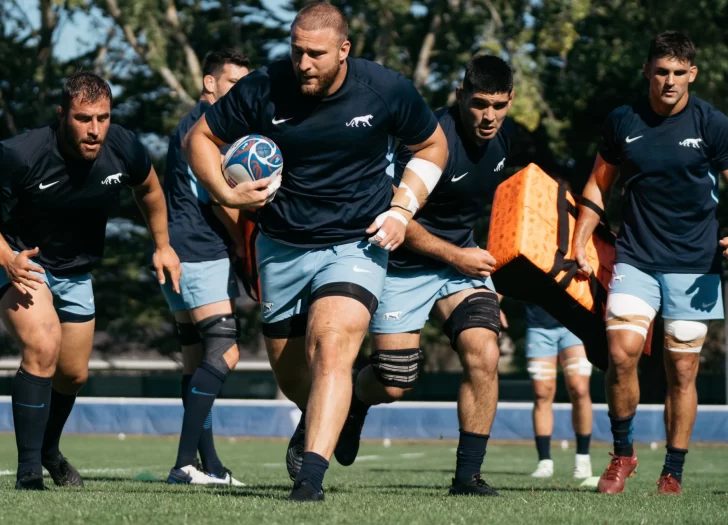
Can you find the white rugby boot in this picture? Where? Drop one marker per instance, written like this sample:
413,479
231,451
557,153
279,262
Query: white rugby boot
544,469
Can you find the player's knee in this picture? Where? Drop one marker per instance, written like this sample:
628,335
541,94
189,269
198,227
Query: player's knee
479,310
397,370
41,356
70,383
543,394
219,335
481,361
623,360
578,391
684,372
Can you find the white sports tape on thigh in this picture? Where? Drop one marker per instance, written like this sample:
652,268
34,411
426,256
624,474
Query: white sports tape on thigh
628,312
685,336
577,366
428,172
541,370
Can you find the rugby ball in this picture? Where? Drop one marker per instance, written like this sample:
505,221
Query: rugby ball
253,157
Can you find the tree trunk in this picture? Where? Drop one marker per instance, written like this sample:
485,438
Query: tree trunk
422,71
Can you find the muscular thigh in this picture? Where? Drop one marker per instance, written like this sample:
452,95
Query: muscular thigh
31,319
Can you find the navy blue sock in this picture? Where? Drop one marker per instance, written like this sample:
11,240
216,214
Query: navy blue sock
186,378
210,462
622,429
543,447
204,387
31,396
61,406
582,443
674,462
470,454
312,470
357,405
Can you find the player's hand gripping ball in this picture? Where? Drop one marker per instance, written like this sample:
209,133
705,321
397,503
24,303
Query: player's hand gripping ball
251,158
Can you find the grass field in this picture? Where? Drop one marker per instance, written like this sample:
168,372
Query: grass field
403,483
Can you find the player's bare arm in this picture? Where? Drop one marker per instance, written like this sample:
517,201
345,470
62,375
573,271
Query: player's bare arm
473,262
150,199
597,189
418,180
202,150
724,240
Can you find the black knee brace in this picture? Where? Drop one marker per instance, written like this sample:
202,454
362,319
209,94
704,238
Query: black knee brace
187,334
218,333
480,310
398,368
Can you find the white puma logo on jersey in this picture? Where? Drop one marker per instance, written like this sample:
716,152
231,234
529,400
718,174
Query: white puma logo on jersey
691,143
392,316
267,307
363,120
618,278
112,179
500,165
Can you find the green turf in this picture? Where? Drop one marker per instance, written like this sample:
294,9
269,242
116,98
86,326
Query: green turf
404,483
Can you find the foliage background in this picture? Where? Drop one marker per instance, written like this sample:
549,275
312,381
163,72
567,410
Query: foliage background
574,61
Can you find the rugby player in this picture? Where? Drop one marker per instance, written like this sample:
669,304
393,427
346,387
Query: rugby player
57,186
670,148
442,271
204,235
326,236
547,344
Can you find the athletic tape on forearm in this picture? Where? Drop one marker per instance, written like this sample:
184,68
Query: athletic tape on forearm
419,179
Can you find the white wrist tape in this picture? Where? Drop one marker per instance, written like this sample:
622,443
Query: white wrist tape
381,234
273,187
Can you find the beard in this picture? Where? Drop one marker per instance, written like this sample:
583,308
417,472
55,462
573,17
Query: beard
324,81
76,144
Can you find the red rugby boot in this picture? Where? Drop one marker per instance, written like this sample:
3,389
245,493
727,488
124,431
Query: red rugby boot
618,470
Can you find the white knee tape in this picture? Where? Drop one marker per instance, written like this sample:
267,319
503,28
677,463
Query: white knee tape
629,312
577,366
685,336
541,370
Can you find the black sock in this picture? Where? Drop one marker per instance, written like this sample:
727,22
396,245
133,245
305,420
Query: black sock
204,387
470,454
543,447
622,428
61,406
357,405
674,461
31,398
312,470
582,443
210,462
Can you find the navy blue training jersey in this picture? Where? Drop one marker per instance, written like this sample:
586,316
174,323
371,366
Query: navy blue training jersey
466,187
537,317
334,148
60,204
195,233
670,168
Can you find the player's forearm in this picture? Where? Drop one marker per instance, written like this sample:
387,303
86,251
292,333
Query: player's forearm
203,158
154,209
419,240
6,252
588,219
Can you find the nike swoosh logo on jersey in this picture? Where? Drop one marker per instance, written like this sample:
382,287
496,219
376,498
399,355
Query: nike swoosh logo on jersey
360,270
628,140
280,121
455,179
42,186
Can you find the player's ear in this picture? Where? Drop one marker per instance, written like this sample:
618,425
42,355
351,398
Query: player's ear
344,50
510,97
693,73
459,94
209,83
59,111
646,70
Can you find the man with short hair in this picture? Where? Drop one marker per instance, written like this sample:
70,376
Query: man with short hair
325,237
669,148
442,271
57,186
204,235
549,343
